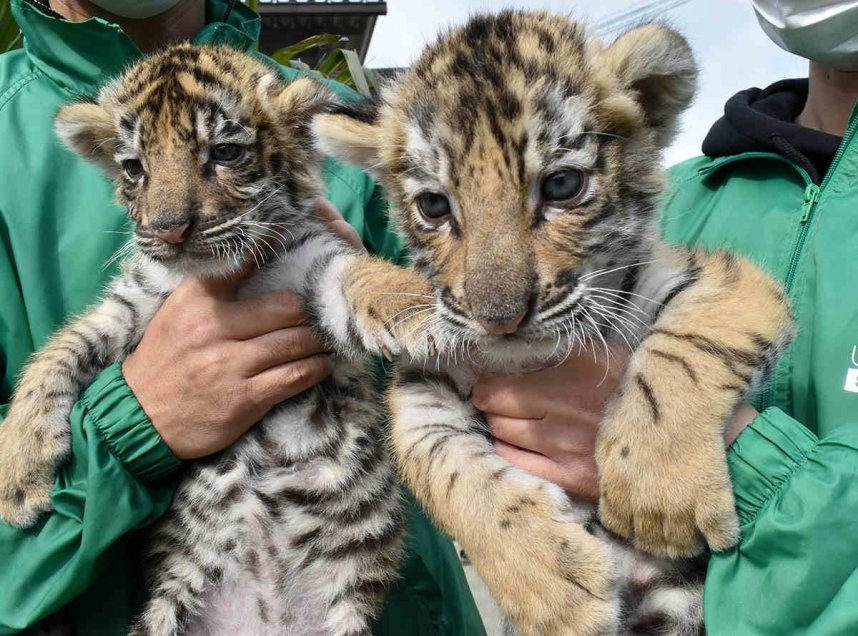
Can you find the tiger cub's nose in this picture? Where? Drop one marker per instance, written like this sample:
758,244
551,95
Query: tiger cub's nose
173,234
504,328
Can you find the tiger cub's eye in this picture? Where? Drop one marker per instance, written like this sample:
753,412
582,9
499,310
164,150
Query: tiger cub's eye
133,169
227,153
433,206
562,185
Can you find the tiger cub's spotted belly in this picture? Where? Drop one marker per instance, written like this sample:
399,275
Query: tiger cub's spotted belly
249,602
263,588
297,502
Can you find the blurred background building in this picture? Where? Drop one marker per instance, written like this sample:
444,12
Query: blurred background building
285,22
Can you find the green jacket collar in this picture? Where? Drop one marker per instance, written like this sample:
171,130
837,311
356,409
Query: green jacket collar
713,165
848,144
81,56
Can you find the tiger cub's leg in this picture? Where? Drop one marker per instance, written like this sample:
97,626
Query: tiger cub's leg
524,536
365,304
35,437
661,454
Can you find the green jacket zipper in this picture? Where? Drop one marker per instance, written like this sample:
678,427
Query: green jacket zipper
719,163
812,194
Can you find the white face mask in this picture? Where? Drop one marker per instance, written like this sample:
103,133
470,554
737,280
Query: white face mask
821,30
136,9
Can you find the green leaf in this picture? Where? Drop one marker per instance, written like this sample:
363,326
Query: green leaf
300,65
359,81
371,77
343,77
285,54
330,64
341,65
10,35
253,4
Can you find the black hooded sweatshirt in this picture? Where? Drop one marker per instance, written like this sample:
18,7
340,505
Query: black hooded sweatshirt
762,120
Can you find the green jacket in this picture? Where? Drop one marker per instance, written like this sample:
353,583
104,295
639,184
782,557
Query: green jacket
58,226
795,468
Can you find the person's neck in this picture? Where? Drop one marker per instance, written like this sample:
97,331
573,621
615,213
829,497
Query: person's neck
830,99
177,24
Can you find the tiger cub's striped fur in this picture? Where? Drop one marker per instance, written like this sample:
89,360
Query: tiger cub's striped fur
521,157
297,527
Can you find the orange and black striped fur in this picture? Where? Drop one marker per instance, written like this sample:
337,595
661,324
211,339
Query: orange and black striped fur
522,160
521,157
298,526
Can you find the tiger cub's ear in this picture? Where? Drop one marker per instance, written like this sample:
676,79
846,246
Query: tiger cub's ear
350,133
298,101
88,130
656,65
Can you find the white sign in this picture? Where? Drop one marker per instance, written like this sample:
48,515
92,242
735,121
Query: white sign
851,381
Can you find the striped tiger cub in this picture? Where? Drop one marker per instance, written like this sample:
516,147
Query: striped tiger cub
521,157
296,528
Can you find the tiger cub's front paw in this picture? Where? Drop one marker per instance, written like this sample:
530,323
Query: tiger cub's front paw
27,472
547,573
667,504
415,338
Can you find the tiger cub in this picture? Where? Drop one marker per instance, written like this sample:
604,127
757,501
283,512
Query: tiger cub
521,157
296,528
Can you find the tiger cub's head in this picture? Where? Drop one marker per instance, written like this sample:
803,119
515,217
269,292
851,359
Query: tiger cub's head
522,157
210,152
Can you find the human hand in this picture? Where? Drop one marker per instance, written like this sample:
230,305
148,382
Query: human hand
337,223
210,366
546,422
742,417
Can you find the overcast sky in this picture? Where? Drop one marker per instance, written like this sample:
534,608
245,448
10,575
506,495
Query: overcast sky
732,51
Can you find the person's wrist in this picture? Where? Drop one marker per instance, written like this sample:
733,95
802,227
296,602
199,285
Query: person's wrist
740,420
132,379
112,407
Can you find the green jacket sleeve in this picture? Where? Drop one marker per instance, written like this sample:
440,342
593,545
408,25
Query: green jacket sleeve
795,570
111,485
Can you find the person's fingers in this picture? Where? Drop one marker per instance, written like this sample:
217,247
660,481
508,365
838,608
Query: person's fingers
327,210
742,417
567,430
252,317
510,395
279,347
525,434
223,287
346,231
288,380
579,478
526,460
